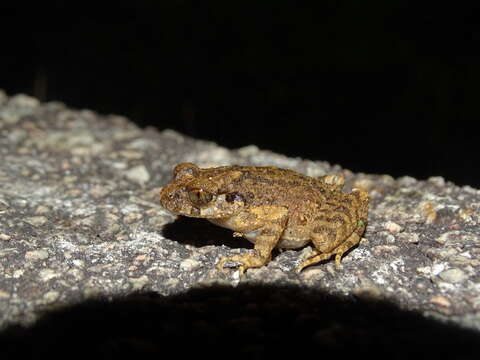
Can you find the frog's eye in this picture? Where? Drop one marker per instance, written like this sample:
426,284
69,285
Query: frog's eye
199,196
185,170
234,196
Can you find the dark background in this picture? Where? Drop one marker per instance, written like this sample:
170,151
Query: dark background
375,86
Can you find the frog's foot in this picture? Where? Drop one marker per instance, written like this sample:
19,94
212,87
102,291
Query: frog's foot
318,256
247,261
315,258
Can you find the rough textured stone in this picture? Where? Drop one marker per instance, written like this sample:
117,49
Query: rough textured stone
80,218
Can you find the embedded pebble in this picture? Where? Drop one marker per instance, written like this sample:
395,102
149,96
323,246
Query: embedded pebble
248,150
5,237
76,274
446,253
475,301
412,238
370,291
48,274
138,174
440,300
17,136
312,274
139,283
424,270
131,155
385,249
365,184
442,239
36,220
437,180
24,101
390,239
17,107
3,205
131,218
453,276
36,255
190,265
394,228
407,181
42,210
98,192
51,297
21,203
438,268
428,212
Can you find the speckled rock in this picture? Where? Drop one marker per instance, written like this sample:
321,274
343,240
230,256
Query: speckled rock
80,218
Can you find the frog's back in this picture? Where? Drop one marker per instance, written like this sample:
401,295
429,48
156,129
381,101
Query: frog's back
268,185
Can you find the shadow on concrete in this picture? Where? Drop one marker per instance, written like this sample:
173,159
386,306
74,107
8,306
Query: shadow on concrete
246,322
201,232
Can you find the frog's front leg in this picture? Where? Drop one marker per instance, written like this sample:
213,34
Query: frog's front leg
262,225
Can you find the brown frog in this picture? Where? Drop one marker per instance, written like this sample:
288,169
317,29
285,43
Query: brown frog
271,207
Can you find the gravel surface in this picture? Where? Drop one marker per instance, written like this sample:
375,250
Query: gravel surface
80,221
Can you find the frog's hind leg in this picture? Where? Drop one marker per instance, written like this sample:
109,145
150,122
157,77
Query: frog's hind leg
318,256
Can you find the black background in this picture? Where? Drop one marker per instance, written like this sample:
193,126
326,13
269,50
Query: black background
375,86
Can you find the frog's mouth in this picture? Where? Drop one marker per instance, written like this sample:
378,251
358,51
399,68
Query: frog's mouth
172,200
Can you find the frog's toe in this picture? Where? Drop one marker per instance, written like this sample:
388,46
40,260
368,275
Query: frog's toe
299,268
314,259
236,260
244,262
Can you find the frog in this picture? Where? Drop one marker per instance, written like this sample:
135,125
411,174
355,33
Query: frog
273,208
